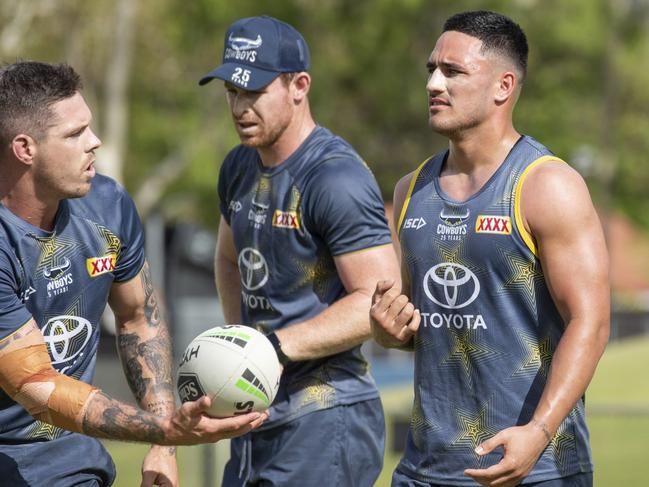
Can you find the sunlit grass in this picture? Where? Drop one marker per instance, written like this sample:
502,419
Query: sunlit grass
617,409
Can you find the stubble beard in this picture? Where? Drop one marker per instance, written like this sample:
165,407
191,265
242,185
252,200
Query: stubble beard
454,128
51,185
265,139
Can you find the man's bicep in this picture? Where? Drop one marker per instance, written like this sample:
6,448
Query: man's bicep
225,248
399,205
128,299
226,273
569,239
399,199
361,270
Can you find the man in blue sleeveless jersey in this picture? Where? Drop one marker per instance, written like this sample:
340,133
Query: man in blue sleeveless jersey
505,298
302,241
71,241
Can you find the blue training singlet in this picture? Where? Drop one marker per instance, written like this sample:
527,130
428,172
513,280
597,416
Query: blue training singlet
489,325
288,223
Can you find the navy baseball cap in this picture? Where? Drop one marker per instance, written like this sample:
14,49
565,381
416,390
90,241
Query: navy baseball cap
257,50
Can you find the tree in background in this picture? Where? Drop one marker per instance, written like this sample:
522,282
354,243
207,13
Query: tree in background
586,94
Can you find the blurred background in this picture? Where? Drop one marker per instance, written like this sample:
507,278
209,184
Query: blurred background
164,138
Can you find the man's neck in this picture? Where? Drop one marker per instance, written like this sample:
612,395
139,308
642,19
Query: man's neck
480,148
21,199
474,157
288,142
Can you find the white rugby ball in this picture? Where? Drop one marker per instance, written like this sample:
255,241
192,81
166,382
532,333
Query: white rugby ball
235,365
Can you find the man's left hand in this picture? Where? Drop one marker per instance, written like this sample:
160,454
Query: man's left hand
159,467
522,446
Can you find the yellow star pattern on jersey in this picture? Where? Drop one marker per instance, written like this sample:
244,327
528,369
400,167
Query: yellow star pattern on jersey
315,390
473,428
467,351
538,358
41,430
524,275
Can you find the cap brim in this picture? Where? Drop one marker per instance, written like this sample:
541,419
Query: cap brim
242,75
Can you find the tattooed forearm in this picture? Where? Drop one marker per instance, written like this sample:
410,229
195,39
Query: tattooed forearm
107,418
157,357
145,350
151,308
154,354
161,408
128,344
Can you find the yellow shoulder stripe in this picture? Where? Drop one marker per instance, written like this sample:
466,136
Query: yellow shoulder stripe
518,217
406,201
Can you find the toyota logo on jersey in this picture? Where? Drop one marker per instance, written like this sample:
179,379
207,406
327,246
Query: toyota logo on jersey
253,268
66,337
451,286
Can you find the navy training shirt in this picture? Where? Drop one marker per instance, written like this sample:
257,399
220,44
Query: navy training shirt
288,223
62,279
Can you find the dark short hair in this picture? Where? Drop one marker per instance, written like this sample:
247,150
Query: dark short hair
498,34
28,89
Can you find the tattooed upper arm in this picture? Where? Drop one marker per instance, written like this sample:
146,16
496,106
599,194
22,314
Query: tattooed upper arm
151,308
134,299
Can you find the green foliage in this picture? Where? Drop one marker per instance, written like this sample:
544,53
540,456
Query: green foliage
586,87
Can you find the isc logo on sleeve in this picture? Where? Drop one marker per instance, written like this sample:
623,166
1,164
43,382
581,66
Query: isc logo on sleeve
415,223
100,265
501,225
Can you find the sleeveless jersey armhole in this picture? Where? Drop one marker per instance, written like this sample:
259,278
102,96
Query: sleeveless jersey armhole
528,239
406,200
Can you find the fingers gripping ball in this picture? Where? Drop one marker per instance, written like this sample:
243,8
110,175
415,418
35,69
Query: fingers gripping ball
235,365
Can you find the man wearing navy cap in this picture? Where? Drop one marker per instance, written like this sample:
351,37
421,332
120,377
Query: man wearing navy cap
302,241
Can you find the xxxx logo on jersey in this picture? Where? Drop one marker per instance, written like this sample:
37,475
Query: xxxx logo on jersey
286,219
101,265
501,225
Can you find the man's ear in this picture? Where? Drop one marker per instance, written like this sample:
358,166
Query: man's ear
300,86
507,87
24,148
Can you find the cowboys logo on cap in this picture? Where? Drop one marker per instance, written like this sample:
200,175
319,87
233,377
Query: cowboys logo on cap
257,50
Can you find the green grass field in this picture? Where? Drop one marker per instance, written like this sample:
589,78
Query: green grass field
617,412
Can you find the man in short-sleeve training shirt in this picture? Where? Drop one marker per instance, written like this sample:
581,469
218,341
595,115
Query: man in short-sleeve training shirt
302,242
71,242
61,278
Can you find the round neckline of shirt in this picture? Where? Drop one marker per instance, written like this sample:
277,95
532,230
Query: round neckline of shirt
61,216
442,194
293,158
